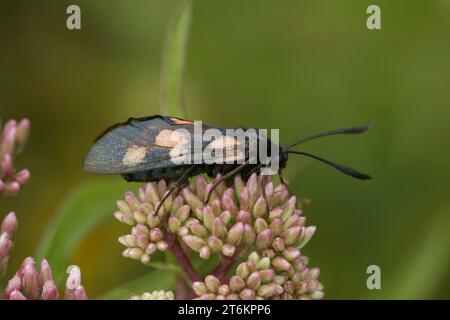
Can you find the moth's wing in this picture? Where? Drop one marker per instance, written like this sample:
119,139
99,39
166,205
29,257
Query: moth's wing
130,147
150,143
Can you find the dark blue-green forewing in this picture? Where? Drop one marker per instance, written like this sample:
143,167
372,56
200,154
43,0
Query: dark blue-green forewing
136,145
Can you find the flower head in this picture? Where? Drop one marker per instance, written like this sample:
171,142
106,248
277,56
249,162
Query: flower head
30,284
253,219
263,278
12,141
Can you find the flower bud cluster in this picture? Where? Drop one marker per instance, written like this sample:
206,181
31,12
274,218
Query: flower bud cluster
30,284
155,295
253,215
12,141
265,278
147,233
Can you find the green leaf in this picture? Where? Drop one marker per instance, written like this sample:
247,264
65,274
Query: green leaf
155,280
85,207
174,56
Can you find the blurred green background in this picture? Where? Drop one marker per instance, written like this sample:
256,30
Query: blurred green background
301,66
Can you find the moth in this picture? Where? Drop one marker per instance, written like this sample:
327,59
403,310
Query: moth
151,148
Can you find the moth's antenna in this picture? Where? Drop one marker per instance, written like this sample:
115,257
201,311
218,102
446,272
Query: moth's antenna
354,130
346,170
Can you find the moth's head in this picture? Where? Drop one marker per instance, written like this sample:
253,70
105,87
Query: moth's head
284,155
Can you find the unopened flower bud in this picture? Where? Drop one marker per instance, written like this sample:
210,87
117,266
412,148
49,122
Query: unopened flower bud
264,239
260,225
249,235
17,295
236,283
254,280
267,290
49,291
123,207
45,273
281,263
244,217
224,290
260,207
212,283
235,234
276,226
199,288
228,250
247,294
193,201
278,244
228,204
218,228
289,208
215,243
30,281
267,275
194,242
291,235
9,225
306,236
243,270
263,263
291,254
174,224
208,217
205,252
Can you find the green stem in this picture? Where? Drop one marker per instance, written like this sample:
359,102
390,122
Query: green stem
174,56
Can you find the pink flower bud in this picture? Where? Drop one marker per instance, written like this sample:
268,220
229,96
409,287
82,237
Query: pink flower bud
236,283
228,204
249,237
264,239
235,234
15,284
281,263
218,228
208,217
254,280
205,252
199,288
244,216
228,250
193,201
291,235
194,242
212,283
23,176
11,189
260,207
151,194
30,282
49,291
16,295
215,243
238,185
156,235
45,274
247,294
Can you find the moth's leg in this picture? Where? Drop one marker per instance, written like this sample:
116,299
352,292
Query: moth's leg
229,175
284,181
255,168
172,188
